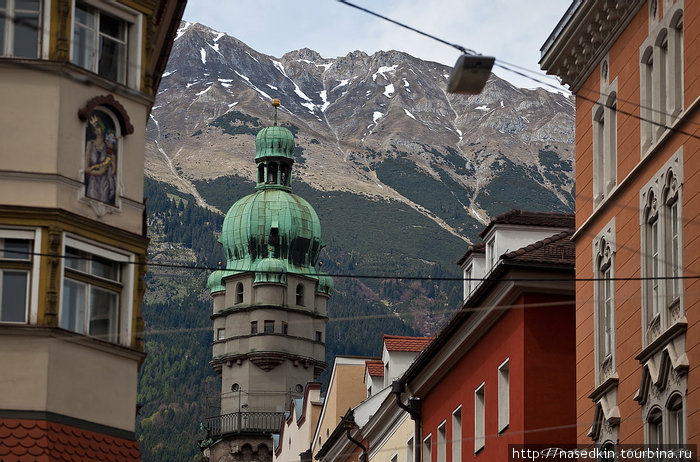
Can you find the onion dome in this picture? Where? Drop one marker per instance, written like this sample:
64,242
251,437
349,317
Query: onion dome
274,141
271,270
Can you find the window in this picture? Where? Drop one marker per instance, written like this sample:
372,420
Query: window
269,326
468,285
254,327
409,450
319,336
479,419
607,452
503,396
100,42
655,429
605,145
20,28
220,334
427,449
239,293
676,421
285,328
491,253
661,74
300,294
442,442
662,250
15,275
457,435
92,291
604,302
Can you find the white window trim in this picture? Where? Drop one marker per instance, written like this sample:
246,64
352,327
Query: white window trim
457,435
44,19
480,418
427,448
126,296
134,36
410,448
504,403
34,235
604,247
442,441
605,141
657,186
45,30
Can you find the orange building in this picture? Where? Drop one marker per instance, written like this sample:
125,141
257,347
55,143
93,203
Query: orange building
634,69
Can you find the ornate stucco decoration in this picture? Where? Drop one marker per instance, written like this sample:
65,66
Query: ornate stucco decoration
583,37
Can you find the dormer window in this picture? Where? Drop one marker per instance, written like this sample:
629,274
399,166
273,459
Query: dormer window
20,28
491,253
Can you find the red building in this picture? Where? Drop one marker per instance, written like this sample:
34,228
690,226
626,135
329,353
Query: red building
502,371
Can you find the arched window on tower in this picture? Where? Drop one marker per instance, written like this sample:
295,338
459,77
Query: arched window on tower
239,293
261,173
300,294
284,177
272,173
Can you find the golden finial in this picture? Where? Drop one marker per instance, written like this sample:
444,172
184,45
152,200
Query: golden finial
275,103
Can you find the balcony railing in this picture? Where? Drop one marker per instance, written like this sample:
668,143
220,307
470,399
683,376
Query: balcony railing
249,422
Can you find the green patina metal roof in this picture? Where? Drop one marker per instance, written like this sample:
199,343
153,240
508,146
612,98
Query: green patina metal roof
272,231
274,141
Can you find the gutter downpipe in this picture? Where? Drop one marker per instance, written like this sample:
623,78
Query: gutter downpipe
413,410
349,425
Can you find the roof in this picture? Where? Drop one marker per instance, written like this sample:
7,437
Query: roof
556,249
479,247
375,367
41,440
399,343
521,217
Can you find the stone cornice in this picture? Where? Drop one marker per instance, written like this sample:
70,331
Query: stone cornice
585,38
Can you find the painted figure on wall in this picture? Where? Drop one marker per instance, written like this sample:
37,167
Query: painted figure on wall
101,158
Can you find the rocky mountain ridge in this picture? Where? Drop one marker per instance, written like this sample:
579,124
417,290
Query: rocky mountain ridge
363,123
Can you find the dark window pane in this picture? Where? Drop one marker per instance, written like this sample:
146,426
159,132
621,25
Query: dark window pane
103,313
76,259
27,5
111,59
16,249
3,5
2,29
73,307
26,35
14,296
111,26
104,268
84,15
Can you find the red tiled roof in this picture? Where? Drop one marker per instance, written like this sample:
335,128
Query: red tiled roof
399,343
521,217
557,249
44,441
375,367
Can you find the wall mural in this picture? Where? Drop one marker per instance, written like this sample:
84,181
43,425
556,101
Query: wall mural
101,151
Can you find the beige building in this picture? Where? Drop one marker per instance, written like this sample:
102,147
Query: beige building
77,82
298,426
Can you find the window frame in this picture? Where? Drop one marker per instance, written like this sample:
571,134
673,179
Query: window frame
134,38
604,249
427,448
254,327
221,333
504,395
480,417
269,326
31,265
125,261
457,429
8,40
441,448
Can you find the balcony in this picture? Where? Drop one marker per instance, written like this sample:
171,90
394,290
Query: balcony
243,422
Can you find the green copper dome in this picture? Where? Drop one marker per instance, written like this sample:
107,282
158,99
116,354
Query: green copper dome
274,141
272,232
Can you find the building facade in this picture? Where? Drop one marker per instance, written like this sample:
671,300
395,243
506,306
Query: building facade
77,81
634,69
269,306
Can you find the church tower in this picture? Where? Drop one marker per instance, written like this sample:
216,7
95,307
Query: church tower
269,306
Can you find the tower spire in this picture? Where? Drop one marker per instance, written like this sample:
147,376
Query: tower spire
275,103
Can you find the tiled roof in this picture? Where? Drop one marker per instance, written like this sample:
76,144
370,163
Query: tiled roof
399,343
44,441
375,367
479,247
521,217
557,249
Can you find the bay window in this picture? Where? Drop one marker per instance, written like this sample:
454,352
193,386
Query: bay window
15,277
95,292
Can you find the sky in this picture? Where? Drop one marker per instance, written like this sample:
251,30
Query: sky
511,30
